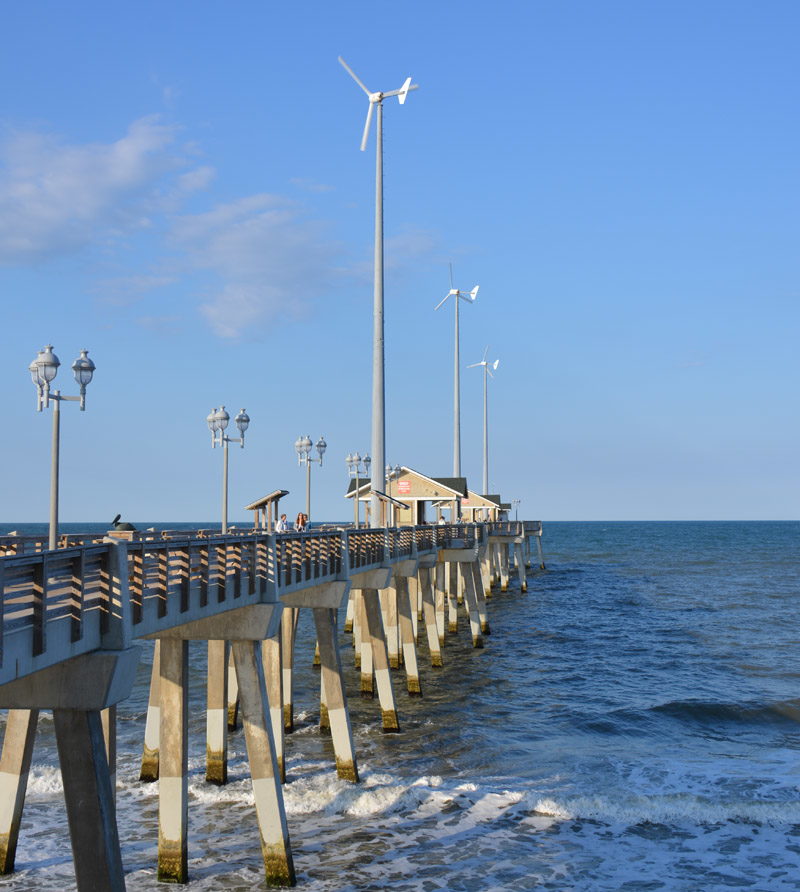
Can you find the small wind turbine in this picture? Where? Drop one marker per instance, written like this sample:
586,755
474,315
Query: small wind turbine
469,297
378,388
488,368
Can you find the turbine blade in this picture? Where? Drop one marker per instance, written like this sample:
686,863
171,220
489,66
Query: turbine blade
451,276
496,364
441,302
402,92
401,96
366,126
474,293
484,353
475,364
352,74
489,372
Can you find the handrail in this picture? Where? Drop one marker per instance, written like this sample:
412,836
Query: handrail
55,604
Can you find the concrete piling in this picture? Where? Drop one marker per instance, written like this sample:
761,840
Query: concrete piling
388,599
338,717
439,578
273,675
429,615
289,619
452,598
15,765
217,713
480,598
374,633
406,609
149,768
275,846
173,784
232,694
89,800
472,603
519,553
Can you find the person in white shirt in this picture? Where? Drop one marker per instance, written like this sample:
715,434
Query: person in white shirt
281,526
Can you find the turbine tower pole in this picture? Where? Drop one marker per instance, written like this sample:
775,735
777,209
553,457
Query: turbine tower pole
377,482
485,430
457,404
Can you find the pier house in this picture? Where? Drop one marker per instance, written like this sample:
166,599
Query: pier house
416,490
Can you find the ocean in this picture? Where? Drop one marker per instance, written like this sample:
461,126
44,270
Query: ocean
633,723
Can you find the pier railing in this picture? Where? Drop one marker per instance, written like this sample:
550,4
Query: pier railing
100,595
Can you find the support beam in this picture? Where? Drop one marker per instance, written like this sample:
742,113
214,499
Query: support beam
89,799
15,765
275,846
273,675
338,717
472,604
380,657
406,610
217,713
289,619
173,785
429,615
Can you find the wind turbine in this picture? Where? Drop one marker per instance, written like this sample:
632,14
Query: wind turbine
488,368
378,387
469,297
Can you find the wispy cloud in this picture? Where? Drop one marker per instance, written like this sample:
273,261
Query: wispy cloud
271,260
125,290
56,197
308,185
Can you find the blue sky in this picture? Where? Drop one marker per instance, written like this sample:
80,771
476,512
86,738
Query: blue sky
182,193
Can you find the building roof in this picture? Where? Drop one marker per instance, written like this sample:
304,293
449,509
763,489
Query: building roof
457,486
478,501
263,502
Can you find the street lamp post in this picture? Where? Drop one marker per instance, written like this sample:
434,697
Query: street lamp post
354,468
391,474
43,370
217,422
515,503
303,448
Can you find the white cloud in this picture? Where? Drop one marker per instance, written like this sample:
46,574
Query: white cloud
309,185
272,261
125,290
56,197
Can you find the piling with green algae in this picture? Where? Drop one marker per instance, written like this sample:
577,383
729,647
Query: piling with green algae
334,715
149,767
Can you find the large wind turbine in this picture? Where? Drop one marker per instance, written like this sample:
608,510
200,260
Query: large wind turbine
469,297
488,368
378,389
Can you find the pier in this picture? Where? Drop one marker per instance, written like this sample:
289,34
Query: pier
68,643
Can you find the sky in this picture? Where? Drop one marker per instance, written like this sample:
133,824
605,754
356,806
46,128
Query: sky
182,193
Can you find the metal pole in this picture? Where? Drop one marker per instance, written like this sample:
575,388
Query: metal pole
485,431
378,388
53,535
456,405
224,485
355,500
308,488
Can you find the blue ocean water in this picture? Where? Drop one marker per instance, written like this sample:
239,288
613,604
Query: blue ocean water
632,723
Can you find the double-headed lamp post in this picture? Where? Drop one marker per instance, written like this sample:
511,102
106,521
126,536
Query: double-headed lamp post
355,469
217,422
43,370
302,446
